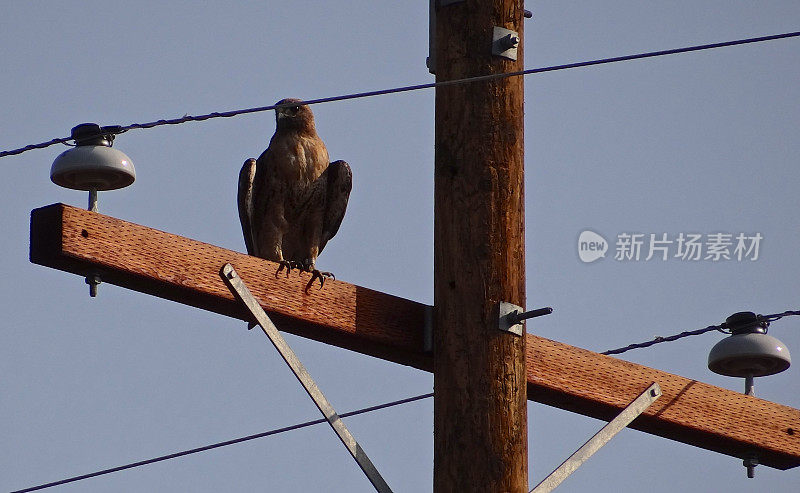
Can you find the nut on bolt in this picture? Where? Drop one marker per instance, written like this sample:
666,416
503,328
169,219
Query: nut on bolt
93,280
750,463
509,41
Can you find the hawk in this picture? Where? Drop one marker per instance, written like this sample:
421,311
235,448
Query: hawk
291,199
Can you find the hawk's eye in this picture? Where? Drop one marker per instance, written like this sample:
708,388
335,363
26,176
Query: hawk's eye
294,109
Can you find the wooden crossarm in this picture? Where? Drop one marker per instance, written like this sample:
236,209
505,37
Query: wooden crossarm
391,328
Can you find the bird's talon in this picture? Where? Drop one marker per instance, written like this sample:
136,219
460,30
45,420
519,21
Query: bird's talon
321,275
288,264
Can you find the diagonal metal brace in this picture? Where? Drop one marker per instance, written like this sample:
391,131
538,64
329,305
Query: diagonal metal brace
242,293
606,433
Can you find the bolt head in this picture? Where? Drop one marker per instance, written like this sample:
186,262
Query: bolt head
509,41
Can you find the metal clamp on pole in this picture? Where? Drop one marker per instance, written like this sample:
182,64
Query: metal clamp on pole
427,330
606,433
242,293
511,317
505,43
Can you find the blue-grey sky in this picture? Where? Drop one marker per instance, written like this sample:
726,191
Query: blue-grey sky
698,143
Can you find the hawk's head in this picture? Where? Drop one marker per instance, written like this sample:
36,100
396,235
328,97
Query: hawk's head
294,117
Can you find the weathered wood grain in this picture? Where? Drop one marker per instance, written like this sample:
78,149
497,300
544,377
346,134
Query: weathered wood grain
391,328
480,412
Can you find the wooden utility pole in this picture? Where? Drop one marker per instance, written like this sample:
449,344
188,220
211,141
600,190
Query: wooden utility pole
480,415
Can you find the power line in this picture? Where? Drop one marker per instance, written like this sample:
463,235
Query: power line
777,316
766,319
221,444
228,114
659,339
416,87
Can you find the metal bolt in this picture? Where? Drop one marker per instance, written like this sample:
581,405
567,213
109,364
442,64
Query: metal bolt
93,280
509,41
527,13
516,317
750,463
93,200
748,385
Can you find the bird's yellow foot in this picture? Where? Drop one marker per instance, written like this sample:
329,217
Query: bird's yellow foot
321,275
288,265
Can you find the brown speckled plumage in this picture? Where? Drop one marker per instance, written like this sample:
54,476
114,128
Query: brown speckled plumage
291,200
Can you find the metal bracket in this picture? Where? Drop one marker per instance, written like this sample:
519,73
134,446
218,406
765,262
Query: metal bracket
510,316
506,323
242,293
606,433
505,43
427,330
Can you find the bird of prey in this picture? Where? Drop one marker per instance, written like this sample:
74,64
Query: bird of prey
291,199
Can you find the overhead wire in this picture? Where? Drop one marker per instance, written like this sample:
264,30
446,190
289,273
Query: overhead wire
430,85
228,114
221,444
766,319
659,340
